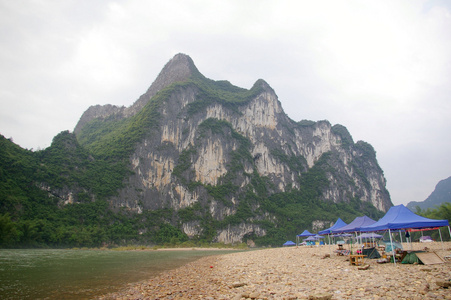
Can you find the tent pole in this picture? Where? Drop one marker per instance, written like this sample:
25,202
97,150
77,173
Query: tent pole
400,237
392,248
330,246
410,241
440,232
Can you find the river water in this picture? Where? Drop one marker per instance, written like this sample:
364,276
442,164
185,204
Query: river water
83,274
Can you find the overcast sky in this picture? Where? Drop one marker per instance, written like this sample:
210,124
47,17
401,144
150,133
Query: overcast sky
380,68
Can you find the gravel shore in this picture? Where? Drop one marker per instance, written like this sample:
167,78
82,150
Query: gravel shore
296,273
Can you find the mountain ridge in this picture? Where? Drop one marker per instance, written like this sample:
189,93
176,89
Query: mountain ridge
440,194
254,117
205,160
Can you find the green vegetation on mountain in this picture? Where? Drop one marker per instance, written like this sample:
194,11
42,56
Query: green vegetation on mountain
292,161
346,138
31,216
298,208
221,92
439,212
59,197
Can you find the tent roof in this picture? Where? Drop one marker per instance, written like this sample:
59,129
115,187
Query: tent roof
400,217
370,235
306,233
289,243
342,235
355,225
337,224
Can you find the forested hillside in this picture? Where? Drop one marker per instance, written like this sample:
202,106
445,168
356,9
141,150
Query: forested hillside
33,217
192,159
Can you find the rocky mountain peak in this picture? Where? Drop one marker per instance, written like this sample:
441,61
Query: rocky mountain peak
180,68
262,83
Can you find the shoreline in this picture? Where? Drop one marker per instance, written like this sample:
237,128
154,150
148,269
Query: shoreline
199,249
294,273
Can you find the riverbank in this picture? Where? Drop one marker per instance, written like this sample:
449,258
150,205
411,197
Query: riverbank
181,247
199,249
84,274
295,273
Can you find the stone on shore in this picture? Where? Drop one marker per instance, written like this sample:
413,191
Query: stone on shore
294,273
320,297
443,283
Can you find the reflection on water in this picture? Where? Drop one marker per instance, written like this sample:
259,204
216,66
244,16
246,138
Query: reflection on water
75,274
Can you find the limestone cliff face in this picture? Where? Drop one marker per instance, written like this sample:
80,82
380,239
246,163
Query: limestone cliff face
193,151
180,68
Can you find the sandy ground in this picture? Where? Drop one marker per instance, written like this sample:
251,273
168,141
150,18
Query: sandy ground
296,273
195,248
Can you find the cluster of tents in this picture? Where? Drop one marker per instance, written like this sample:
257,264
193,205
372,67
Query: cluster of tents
397,218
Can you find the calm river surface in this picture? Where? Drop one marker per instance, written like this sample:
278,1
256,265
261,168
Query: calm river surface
83,274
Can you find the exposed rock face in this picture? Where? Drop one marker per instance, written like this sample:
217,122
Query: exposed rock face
235,234
280,149
179,68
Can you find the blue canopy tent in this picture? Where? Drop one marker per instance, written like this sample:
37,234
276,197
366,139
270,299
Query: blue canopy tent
425,239
318,238
355,225
310,240
303,234
342,235
400,217
370,236
289,243
337,224
306,233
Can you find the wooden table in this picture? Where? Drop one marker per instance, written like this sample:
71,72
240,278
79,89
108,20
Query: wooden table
356,259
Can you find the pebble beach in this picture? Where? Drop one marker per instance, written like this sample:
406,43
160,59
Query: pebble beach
304,272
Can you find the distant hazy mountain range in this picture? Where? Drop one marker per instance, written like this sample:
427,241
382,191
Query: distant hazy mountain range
441,194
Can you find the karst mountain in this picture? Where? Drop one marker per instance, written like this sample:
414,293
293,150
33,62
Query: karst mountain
198,159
